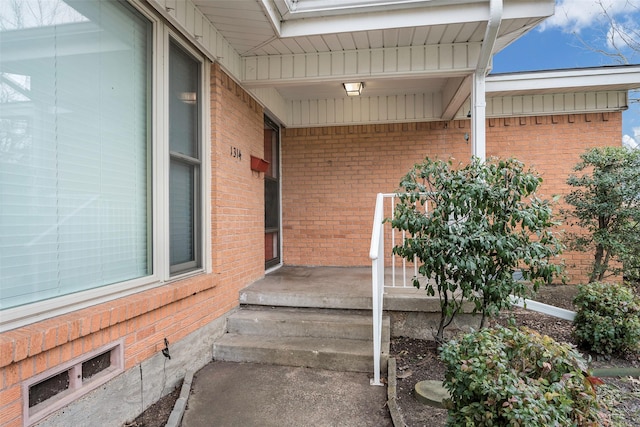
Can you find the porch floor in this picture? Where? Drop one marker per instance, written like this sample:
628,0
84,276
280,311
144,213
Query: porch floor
333,287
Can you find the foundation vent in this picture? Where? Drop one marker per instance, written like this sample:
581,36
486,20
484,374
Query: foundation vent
59,386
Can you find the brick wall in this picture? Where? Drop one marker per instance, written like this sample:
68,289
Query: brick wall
174,310
331,174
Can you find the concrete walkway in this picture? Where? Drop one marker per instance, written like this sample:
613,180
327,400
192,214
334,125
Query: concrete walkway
228,394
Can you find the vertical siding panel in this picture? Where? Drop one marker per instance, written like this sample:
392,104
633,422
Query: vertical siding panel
527,104
313,112
261,68
287,67
409,109
364,62
198,22
517,105
350,63
390,60
374,105
547,101
590,100
437,105
460,58
171,6
538,104
418,105
295,109
274,67
251,68
417,58
558,102
569,101
497,106
322,111
446,57
299,66
356,112
189,18
432,57
473,54
623,99
612,100
324,64
312,65
382,108
489,108
392,107
205,32
337,63
181,11
364,109
428,106
601,100
507,105
377,61
213,41
404,59
581,101
331,112
339,111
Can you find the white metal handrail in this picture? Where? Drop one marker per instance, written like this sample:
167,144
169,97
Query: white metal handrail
376,253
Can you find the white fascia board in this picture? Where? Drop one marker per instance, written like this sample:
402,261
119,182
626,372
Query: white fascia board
403,18
272,14
620,77
416,17
528,9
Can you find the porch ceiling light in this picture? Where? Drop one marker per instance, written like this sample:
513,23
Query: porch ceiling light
353,89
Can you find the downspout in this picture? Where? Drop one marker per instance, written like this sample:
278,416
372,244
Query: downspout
478,97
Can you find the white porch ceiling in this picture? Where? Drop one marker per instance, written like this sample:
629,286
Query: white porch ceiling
276,29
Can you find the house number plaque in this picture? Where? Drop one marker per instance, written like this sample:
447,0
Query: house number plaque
236,153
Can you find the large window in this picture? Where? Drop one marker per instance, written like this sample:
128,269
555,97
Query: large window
83,205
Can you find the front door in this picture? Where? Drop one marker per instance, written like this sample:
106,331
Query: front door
271,194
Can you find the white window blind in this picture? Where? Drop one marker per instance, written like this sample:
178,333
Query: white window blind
74,151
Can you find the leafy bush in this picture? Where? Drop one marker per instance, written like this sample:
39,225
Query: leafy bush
607,319
517,377
483,223
604,203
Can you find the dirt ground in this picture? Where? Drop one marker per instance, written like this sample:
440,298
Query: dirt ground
417,360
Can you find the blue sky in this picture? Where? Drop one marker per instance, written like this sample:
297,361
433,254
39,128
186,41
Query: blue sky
562,40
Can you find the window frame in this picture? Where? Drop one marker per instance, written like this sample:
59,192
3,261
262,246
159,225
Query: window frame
197,162
158,221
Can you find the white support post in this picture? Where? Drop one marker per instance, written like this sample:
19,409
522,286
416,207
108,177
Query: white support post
478,116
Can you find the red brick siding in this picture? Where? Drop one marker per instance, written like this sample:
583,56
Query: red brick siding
331,174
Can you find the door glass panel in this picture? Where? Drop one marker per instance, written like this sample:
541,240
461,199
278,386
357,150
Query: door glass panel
271,195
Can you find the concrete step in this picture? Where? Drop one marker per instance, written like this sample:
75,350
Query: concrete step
323,353
305,323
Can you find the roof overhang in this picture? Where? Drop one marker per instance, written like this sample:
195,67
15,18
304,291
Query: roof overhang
609,78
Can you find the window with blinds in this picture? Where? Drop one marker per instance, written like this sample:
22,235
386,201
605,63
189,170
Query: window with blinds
184,155
75,174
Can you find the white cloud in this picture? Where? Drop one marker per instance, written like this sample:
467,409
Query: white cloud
630,142
576,15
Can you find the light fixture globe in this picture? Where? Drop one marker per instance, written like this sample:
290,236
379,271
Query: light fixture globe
353,89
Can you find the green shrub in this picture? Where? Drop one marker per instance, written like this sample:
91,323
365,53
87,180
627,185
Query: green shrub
607,318
517,377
